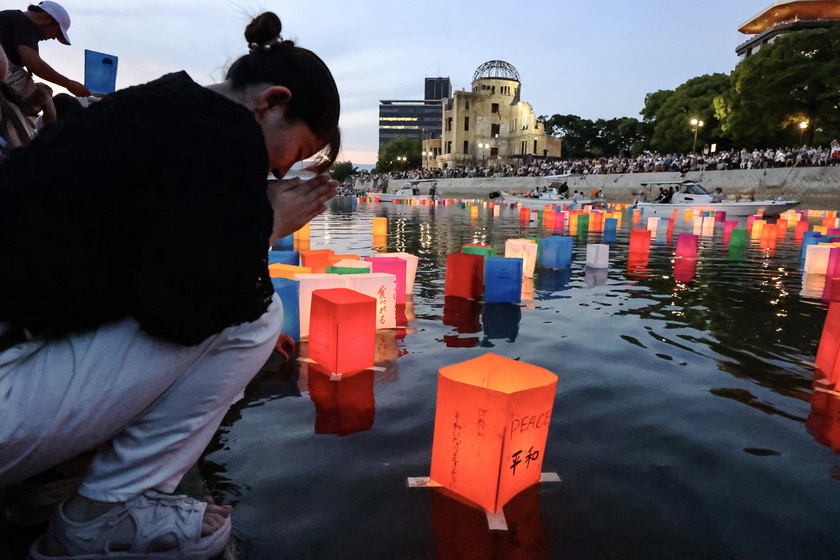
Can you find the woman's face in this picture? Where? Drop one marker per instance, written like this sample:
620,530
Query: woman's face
287,142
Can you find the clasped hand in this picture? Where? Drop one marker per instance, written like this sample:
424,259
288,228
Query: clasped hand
295,202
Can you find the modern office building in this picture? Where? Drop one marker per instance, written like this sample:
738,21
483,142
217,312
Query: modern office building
420,119
786,16
490,124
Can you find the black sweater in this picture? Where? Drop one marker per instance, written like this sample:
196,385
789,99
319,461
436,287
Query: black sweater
151,204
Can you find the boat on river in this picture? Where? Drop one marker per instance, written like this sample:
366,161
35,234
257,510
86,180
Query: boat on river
542,199
692,195
416,189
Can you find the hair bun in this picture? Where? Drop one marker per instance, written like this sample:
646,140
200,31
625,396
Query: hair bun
263,29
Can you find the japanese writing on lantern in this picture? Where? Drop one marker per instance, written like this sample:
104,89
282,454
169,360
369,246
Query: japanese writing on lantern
516,459
381,304
456,446
481,423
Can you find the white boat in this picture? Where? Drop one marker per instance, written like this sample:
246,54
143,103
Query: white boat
691,194
417,189
546,198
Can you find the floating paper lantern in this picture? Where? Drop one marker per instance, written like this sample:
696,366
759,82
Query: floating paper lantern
832,270
652,224
391,265
302,233
289,293
548,219
583,224
598,255
502,279
344,270
411,263
556,252
380,227
497,211
816,258
728,226
363,266
640,241
781,228
342,331
316,259
284,257
491,427
475,249
637,216
823,422
573,223
278,270
560,220
382,287
525,214
720,216
697,225
333,259
738,238
525,249
829,346
708,225
379,241
687,244
768,237
596,221
610,227
302,244
308,284
284,243
342,406
464,275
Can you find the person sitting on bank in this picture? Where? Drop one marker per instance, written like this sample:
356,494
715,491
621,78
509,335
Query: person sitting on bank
20,33
718,195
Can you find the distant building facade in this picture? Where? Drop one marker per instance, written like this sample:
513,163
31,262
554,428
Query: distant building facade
783,17
489,125
418,119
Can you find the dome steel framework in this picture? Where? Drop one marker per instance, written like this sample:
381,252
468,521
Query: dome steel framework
496,69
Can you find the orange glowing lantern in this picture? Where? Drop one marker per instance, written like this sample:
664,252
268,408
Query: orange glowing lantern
342,331
829,347
308,284
491,427
279,270
380,227
302,233
382,287
464,275
525,249
316,259
768,237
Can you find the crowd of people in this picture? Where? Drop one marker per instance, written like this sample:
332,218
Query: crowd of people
646,162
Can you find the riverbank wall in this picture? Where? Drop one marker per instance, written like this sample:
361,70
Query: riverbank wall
817,188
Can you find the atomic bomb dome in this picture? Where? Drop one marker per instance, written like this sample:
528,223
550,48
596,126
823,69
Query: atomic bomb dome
496,69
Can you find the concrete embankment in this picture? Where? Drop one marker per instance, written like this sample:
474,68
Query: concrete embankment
817,188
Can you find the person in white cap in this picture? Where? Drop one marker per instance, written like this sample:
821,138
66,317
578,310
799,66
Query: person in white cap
20,33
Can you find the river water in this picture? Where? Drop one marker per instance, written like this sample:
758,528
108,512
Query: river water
684,424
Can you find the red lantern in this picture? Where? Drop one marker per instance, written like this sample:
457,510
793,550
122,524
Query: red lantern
342,330
464,275
640,241
491,427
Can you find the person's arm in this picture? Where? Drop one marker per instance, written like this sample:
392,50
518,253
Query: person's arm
33,61
47,106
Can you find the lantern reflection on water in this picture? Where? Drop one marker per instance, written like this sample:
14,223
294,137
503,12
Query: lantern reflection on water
344,406
491,427
342,330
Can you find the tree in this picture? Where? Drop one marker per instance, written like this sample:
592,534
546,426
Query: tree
577,133
668,114
391,154
340,170
793,80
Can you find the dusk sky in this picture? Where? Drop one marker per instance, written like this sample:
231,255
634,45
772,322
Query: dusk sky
592,59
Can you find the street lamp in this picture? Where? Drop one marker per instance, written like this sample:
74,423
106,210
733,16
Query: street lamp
696,124
802,126
481,147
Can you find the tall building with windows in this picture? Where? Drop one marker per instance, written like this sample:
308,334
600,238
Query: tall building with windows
420,119
783,17
490,124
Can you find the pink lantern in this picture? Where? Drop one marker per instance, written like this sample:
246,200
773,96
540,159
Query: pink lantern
687,244
391,265
411,262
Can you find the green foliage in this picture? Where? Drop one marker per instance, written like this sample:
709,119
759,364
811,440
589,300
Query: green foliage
340,170
391,154
583,138
667,114
795,79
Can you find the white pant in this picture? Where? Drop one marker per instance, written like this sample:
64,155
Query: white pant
155,404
